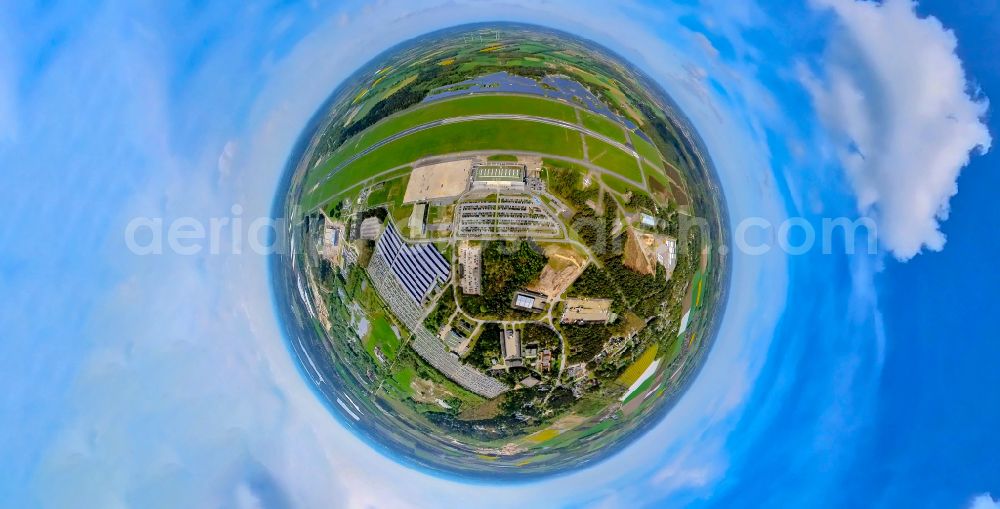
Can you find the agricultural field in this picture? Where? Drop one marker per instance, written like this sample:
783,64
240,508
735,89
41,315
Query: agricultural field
632,374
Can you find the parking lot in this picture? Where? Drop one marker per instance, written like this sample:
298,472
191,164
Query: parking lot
508,216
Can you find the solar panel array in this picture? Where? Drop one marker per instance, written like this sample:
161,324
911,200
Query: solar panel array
418,267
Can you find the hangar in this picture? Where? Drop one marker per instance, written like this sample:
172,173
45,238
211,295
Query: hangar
498,175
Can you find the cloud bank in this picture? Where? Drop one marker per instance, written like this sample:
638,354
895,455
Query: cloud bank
984,501
904,117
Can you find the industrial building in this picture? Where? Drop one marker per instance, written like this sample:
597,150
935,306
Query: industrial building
418,220
331,245
528,301
332,235
499,175
420,268
510,348
666,254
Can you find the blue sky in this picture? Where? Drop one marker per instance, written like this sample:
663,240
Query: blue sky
863,380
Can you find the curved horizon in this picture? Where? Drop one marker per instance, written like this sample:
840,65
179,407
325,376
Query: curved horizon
147,365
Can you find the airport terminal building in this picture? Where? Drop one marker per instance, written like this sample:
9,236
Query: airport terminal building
499,175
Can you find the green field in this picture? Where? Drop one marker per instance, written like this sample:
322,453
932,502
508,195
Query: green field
349,196
614,159
437,214
382,335
656,182
672,351
698,286
562,163
597,428
365,294
391,192
401,214
470,105
462,106
402,378
502,157
464,136
619,185
603,125
647,151
337,184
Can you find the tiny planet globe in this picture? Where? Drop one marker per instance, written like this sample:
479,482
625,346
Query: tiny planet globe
501,252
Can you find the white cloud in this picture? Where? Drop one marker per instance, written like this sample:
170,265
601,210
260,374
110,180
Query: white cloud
895,95
984,501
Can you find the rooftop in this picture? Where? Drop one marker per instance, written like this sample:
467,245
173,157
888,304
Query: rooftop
418,219
498,171
529,301
511,345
